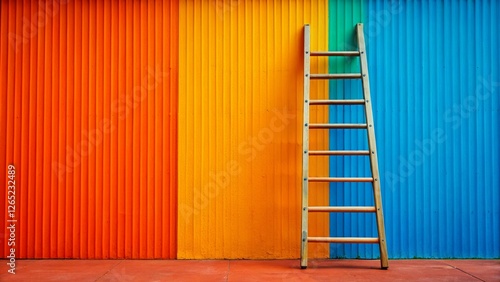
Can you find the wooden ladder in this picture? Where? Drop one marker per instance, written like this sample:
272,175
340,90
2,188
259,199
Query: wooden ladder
371,152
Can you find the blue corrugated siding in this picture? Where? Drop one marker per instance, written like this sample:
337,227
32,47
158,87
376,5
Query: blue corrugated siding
434,72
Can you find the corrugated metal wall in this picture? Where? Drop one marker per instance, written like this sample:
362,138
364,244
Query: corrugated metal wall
434,69
88,115
342,18
240,93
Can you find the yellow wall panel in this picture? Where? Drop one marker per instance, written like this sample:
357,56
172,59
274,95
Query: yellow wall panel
240,127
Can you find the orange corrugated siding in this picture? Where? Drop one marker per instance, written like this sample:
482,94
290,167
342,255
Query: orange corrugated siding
88,115
239,159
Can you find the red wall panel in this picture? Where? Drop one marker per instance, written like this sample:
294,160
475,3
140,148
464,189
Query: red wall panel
88,116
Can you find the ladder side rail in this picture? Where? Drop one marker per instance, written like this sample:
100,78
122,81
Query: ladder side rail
305,149
372,147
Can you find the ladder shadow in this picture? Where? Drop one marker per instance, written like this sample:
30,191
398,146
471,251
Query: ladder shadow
342,264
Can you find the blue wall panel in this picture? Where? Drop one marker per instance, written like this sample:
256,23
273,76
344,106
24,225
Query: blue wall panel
434,73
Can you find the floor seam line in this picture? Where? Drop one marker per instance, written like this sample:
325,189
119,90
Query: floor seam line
111,268
228,270
459,269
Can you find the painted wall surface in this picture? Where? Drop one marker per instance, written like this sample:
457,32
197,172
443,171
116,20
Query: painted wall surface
343,16
434,69
93,93
240,97
88,116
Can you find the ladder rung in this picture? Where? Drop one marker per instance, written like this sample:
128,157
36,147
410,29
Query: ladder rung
335,75
338,153
338,125
337,102
341,209
335,53
343,240
340,179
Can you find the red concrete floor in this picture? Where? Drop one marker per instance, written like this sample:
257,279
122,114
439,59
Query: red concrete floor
251,270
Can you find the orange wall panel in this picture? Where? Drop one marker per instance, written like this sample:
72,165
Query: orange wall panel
240,128
88,116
